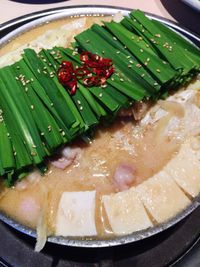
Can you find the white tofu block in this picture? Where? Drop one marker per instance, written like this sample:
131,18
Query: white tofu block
184,168
76,214
162,197
126,212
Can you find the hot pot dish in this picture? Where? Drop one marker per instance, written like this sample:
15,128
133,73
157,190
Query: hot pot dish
99,126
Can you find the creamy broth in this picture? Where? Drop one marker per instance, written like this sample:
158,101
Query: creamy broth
144,148
126,143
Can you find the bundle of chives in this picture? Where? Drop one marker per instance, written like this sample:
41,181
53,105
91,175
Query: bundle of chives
95,93
85,111
137,67
56,93
166,47
7,161
47,126
161,71
14,100
129,80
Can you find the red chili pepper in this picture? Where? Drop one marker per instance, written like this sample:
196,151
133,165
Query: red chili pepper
67,77
95,70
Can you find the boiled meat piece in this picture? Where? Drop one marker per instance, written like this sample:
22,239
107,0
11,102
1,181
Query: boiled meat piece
67,157
124,176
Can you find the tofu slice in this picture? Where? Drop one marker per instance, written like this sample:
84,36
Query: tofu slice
162,197
76,214
184,168
125,212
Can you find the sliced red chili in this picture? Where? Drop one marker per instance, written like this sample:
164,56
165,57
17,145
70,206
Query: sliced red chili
67,77
95,70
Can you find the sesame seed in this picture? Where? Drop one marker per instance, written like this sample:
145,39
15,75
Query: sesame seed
112,79
81,108
121,79
15,153
158,70
130,61
63,133
100,95
148,59
79,102
16,78
8,134
142,75
26,89
33,146
141,50
32,79
129,66
33,153
155,84
138,65
145,63
42,133
158,35
114,38
38,70
18,67
51,104
32,106
118,52
128,56
87,41
132,37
